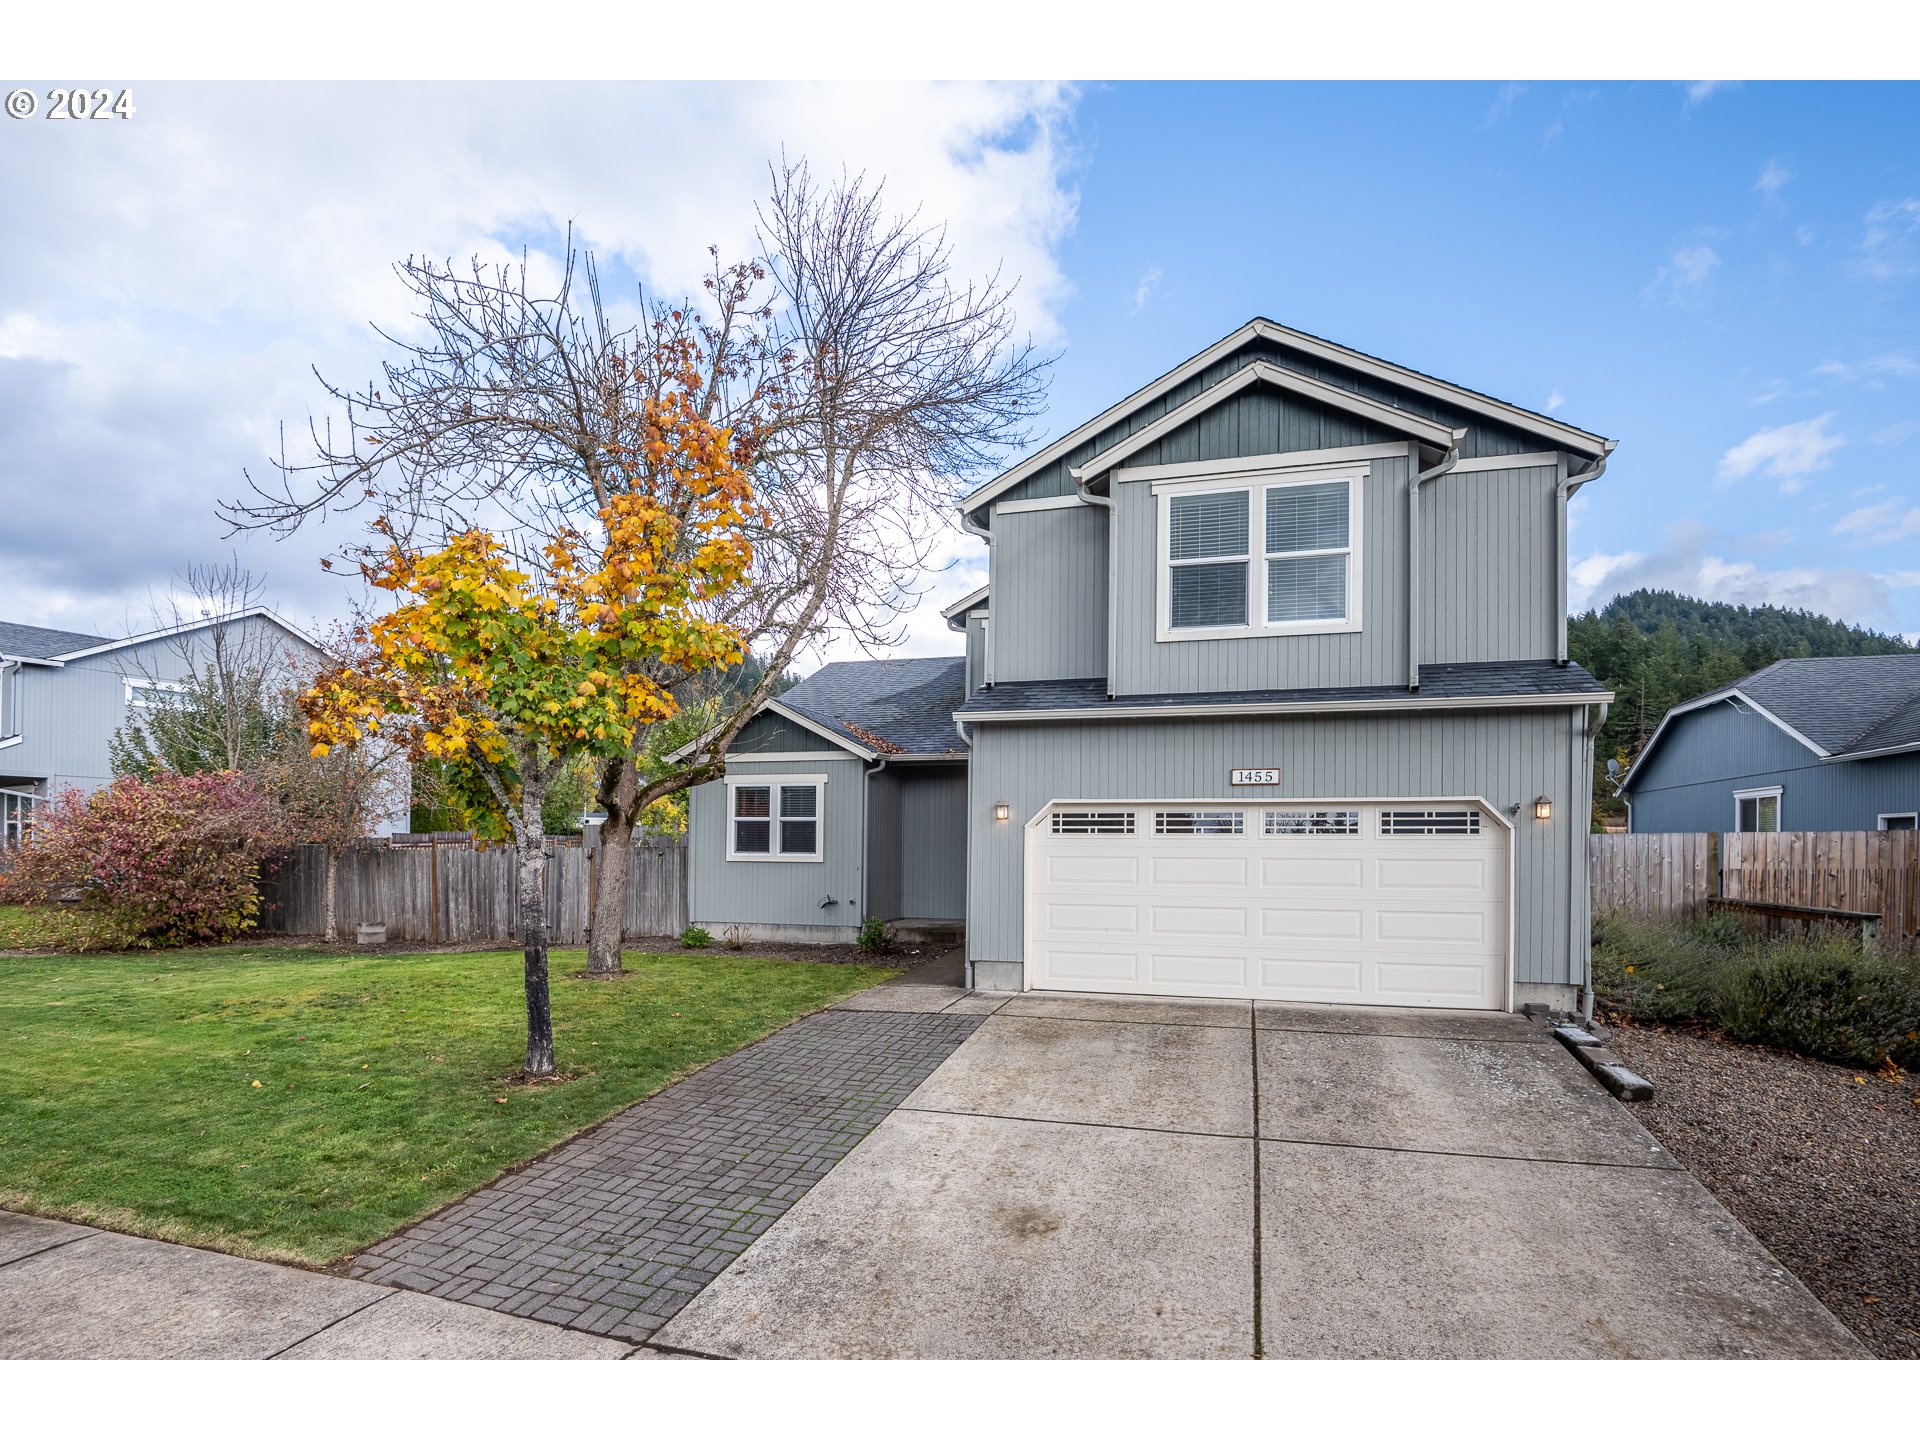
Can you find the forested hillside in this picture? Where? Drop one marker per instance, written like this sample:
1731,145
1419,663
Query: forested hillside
1654,649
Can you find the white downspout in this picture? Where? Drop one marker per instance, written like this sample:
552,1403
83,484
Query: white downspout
1596,718
1105,502
1564,489
1420,477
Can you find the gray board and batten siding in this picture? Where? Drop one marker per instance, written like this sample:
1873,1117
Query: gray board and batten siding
804,899
1048,577
1488,554
917,842
1502,756
1689,780
1259,421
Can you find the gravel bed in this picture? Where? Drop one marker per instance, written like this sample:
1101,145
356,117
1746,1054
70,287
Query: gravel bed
1820,1161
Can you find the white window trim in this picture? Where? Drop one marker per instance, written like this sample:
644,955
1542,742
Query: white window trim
139,690
1256,488
775,781
1881,821
1779,810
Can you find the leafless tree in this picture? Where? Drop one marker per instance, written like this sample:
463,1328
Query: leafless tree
863,391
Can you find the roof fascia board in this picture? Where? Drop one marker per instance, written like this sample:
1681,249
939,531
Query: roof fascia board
1507,462
967,602
1911,745
258,612
1256,464
1716,698
31,660
1121,711
1430,432
1048,502
1585,441
1219,350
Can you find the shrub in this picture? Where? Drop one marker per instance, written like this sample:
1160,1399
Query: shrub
694,938
171,860
1816,994
875,936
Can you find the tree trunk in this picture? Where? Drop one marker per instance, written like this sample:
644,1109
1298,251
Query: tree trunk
333,867
533,938
612,868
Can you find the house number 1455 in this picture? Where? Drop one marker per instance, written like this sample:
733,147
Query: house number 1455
1256,777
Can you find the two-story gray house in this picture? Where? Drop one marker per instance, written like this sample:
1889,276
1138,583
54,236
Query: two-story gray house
1267,697
64,694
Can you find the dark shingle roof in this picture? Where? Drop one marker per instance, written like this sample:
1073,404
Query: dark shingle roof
38,643
1503,679
907,704
1843,703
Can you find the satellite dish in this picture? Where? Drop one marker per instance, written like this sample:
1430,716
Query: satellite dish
1613,769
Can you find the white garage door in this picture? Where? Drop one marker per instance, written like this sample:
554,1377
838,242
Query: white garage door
1379,902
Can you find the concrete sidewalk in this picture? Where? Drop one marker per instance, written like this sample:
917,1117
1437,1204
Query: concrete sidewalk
68,1292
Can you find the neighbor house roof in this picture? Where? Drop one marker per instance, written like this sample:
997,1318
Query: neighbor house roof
884,707
1841,707
34,642
1357,363
1520,682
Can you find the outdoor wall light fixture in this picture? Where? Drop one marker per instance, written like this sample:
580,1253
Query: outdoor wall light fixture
1543,809
1002,810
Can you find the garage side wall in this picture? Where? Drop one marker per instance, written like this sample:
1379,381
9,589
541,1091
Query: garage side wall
780,899
1502,756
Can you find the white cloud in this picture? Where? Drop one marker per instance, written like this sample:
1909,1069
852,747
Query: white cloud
1688,562
1143,291
1554,402
1774,177
1787,453
1700,91
1880,524
1804,235
234,236
1503,103
1895,433
1873,372
1769,392
1890,240
1685,278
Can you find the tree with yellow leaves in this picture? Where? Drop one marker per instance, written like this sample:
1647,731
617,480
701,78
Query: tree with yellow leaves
508,680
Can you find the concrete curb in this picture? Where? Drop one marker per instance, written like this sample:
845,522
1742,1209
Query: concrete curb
1607,1067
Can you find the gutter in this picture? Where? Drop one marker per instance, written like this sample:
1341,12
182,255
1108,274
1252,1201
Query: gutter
1105,502
1564,490
1420,477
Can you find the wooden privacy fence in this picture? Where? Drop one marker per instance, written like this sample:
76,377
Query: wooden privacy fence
456,895
1875,871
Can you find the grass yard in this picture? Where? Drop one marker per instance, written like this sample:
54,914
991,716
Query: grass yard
39,927
294,1104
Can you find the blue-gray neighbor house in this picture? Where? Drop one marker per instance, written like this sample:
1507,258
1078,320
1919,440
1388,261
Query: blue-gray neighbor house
1267,696
1819,744
63,694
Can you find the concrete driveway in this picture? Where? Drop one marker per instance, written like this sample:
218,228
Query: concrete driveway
1098,1177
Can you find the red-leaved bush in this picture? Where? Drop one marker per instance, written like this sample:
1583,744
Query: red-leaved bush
168,861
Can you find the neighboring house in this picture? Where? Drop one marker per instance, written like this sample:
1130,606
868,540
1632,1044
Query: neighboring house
1819,744
1267,697
63,695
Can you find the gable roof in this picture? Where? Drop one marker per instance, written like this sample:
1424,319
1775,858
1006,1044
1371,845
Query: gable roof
1565,436
884,707
34,642
1841,707
956,613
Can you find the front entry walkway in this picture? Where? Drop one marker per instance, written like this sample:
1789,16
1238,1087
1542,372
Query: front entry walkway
614,1231
1097,1177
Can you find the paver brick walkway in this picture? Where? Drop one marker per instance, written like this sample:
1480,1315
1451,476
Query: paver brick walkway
613,1232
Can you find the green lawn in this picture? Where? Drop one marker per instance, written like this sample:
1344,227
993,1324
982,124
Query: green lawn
295,1104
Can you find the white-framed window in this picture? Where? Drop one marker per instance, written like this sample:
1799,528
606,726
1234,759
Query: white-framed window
16,816
1430,822
1265,557
776,817
1199,822
1312,822
1757,811
142,693
1900,820
1093,822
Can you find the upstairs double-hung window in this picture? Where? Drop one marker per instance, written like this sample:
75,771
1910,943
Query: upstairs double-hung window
1277,558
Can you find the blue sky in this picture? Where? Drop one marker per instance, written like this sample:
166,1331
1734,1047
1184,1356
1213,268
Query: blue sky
1726,279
